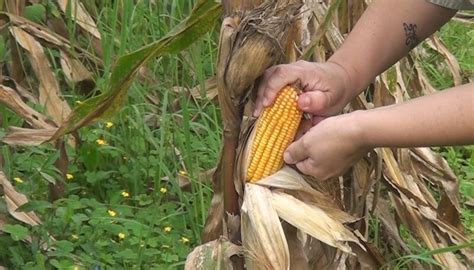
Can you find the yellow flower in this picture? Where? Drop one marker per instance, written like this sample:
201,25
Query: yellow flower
18,180
184,240
69,176
78,102
74,236
109,124
167,229
101,142
76,267
125,194
163,190
112,213
121,236
183,173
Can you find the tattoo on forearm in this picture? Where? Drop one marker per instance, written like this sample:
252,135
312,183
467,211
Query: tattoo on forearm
410,33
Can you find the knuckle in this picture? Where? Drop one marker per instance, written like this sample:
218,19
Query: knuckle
305,142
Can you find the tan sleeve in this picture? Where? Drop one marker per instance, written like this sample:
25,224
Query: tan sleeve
454,4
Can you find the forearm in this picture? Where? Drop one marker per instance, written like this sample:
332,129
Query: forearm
444,118
387,30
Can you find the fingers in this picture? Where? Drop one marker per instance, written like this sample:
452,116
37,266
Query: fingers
314,102
273,80
309,167
296,152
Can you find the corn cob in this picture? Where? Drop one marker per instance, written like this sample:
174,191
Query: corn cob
276,129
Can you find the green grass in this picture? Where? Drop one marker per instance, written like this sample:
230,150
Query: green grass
158,223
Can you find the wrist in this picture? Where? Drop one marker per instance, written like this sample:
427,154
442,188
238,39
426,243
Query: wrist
348,80
358,122
356,80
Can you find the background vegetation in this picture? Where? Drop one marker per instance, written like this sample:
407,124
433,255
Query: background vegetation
137,185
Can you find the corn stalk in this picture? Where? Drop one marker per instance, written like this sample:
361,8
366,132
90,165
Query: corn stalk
291,221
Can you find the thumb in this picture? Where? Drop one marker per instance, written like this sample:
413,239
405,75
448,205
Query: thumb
296,152
314,102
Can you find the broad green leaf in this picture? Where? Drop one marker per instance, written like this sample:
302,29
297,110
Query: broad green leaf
17,232
34,206
202,19
35,13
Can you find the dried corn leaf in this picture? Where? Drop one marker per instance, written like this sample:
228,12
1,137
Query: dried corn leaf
298,258
40,32
81,16
22,92
27,137
49,92
438,45
206,91
74,70
262,235
14,200
11,99
3,222
414,76
49,38
292,182
312,220
411,215
390,230
213,255
436,169
382,95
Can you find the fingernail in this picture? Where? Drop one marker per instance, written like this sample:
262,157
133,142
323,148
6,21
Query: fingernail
304,102
265,102
287,158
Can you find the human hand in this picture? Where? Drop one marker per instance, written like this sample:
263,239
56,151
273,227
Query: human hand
326,87
329,148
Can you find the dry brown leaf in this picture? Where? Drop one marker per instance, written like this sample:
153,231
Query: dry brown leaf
411,216
3,222
382,95
214,226
81,16
438,45
213,255
49,92
10,98
14,200
39,31
27,137
209,89
414,76
262,235
47,37
24,93
74,70
298,257
292,182
437,170
390,228
303,216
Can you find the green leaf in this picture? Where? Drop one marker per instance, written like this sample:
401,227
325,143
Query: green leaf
202,19
63,248
17,232
34,206
35,13
48,177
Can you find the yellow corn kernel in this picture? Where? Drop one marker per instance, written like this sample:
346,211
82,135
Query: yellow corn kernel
276,129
